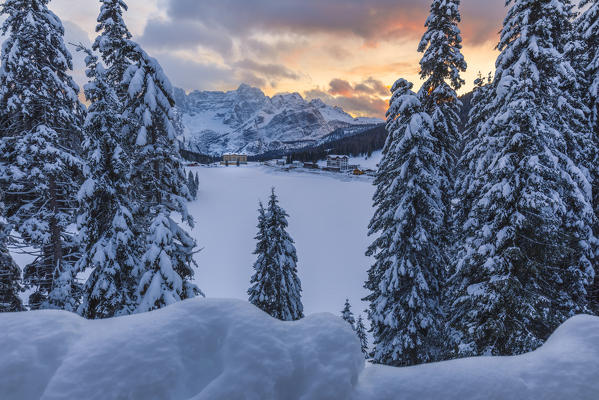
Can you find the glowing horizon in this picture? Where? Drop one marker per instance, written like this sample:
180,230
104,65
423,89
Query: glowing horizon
347,52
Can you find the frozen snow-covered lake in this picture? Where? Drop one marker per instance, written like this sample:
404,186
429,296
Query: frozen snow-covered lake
329,218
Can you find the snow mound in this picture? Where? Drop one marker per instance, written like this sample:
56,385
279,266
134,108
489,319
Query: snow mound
566,367
197,349
227,349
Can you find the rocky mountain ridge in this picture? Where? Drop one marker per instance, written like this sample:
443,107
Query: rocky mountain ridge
247,121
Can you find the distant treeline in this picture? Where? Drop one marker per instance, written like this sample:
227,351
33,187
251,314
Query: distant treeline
197,157
364,143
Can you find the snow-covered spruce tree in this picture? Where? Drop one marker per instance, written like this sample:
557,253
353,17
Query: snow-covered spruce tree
587,28
107,234
523,260
191,185
481,107
347,315
440,67
263,278
160,186
573,93
288,305
38,100
275,286
404,283
113,43
361,332
10,273
166,268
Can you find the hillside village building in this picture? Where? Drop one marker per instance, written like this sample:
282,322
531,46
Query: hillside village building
338,162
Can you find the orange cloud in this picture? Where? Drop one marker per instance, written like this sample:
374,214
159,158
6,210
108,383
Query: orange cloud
332,46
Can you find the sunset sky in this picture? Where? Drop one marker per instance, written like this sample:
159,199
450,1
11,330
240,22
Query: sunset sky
347,52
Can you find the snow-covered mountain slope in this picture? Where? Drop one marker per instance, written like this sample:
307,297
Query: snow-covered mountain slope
246,120
204,349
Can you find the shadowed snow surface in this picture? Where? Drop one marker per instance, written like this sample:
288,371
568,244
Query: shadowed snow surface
197,349
227,349
565,368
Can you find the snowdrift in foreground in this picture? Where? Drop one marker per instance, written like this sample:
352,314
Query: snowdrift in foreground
565,368
198,349
227,350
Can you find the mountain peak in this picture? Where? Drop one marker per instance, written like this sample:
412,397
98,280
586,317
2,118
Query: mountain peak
244,87
288,99
248,91
318,103
246,120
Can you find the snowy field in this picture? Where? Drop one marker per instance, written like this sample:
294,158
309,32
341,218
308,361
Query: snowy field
208,349
329,216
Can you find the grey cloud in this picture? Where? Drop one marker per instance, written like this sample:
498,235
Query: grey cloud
175,34
317,94
482,20
341,93
251,79
262,49
233,29
164,36
363,105
191,75
370,86
184,34
338,52
340,86
361,87
372,20
270,71
291,15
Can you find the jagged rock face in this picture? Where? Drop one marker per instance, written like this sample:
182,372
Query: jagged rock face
245,120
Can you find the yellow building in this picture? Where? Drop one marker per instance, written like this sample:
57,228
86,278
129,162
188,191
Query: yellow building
234,159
